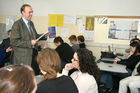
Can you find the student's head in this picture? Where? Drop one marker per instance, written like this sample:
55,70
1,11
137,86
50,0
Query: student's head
73,39
17,79
58,41
26,11
49,63
84,61
9,33
81,39
134,40
133,46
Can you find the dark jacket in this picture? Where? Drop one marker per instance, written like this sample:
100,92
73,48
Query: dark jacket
5,44
83,45
21,42
65,52
63,84
131,61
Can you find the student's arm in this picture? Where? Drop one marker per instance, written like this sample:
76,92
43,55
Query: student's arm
67,68
120,61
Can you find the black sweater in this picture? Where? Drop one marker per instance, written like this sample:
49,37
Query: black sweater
131,61
63,84
65,52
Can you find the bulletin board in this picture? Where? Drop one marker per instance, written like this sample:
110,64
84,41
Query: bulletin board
76,24
99,31
121,27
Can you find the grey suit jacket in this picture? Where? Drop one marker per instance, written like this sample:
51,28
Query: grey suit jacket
21,42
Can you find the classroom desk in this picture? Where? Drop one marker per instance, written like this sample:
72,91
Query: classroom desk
117,68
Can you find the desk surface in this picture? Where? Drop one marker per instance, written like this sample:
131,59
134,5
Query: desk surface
118,68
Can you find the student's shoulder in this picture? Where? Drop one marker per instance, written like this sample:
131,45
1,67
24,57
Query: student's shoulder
64,77
85,77
42,87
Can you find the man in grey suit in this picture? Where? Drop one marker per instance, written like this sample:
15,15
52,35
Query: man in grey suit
23,40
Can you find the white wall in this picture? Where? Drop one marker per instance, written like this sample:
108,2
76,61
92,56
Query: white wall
74,7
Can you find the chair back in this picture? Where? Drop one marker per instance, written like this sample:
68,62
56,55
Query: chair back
135,70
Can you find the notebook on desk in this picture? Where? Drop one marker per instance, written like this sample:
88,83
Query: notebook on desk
107,60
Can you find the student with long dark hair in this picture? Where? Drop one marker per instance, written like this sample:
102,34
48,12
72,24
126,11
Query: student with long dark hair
87,76
132,60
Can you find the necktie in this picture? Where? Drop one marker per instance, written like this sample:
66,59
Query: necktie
32,34
31,31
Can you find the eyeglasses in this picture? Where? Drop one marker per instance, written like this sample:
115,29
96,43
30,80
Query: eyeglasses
74,59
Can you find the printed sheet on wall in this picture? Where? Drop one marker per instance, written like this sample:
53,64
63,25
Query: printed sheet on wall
124,29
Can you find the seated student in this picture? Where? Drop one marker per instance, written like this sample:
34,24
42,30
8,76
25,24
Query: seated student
87,76
133,59
128,50
64,50
73,41
81,41
133,82
17,79
5,45
130,63
52,81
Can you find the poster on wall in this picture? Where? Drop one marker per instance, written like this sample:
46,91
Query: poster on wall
69,19
64,32
102,20
53,32
3,33
80,25
9,22
56,20
89,23
88,35
122,28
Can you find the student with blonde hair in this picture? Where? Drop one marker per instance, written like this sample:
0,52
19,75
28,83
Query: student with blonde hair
52,81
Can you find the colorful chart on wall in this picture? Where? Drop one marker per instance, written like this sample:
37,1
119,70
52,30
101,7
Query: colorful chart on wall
53,32
122,28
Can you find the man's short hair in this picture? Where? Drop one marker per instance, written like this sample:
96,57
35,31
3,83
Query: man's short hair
9,31
23,7
73,37
81,38
58,39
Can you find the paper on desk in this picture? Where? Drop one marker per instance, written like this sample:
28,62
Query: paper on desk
42,35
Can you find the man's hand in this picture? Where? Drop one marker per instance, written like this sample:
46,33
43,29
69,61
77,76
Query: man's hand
48,33
33,42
